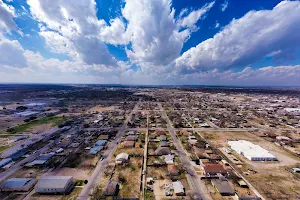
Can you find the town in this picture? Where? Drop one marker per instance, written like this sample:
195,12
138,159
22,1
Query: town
127,142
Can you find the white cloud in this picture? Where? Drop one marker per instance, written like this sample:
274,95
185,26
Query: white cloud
224,5
155,36
217,24
247,40
7,14
72,27
191,19
11,53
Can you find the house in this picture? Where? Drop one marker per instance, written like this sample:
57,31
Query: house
223,187
214,170
17,184
200,152
103,137
159,132
185,132
131,138
164,144
163,138
192,142
122,158
55,185
178,188
128,144
162,151
172,170
169,159
112,189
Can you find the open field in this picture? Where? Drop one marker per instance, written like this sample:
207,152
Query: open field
53,121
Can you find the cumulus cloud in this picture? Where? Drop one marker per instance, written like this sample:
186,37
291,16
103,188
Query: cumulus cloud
7,14
11,53
156,37
224,5
72,27
247,40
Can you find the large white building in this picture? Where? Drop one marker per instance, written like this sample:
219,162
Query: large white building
251,151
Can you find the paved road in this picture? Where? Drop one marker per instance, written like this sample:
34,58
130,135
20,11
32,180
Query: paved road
198,188
20,164
101,165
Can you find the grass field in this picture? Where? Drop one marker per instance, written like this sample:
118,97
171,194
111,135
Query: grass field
54,120
2,148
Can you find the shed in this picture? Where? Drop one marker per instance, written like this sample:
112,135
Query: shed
55,184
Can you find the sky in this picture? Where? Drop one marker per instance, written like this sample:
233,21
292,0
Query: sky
150,42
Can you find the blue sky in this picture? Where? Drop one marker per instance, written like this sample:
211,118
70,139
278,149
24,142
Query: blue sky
150,42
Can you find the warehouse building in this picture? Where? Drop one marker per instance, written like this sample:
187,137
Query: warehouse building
55,185
17,184
251,151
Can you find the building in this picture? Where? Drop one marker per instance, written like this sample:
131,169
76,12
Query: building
163,138
100,143
213,170
112,189
35,105
162,151
178,188
251,151
17,184
55,185
122,158
169,159
172,170
164,144
41,160
128,144
131,138
5,162
95,150
223,187
27,113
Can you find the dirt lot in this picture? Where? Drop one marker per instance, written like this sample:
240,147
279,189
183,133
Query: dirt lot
78,174
100,108
272,179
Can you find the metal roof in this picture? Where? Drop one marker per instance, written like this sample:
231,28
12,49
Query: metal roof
55,182
17,183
